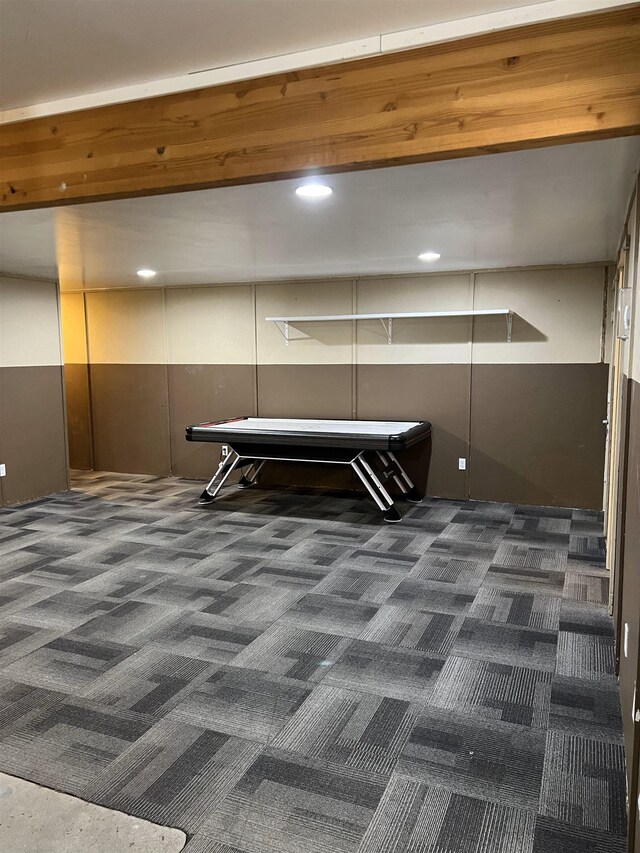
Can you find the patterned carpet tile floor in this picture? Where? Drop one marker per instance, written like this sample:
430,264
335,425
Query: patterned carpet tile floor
281,672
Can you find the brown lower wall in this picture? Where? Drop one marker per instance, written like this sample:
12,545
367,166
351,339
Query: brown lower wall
424,392
205,392
306,391
130,417
76,379
32,432
532,433
537,435
630,586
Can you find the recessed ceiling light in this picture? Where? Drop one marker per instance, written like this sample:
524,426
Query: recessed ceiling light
144,273
429,256
313,190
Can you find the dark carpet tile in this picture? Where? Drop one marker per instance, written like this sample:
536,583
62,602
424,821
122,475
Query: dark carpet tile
586,707
294,652
359,731
493,641
586,656
173,774
18,639
385,671
414,817
530,557
66,610
286,804
202,635
524,579
482,758
527,609
242,702
280,672
354,585
149,682
64,744
581,617
555,836
129,621
330,614
274,573
68,663
433,596
445,569
587,587
583,783
394,625
513,694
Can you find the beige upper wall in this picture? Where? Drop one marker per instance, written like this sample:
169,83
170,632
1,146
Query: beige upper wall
438,340
29,323
327,342
211,325
74,336
558,320
126,327
634,281
559,316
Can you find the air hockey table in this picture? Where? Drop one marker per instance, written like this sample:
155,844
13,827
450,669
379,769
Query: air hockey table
367,447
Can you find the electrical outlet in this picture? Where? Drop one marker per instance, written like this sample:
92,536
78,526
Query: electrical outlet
225,450
3,470
462,464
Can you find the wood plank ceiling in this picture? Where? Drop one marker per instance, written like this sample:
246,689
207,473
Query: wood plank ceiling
556,82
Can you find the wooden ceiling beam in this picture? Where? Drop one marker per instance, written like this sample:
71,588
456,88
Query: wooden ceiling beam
561,81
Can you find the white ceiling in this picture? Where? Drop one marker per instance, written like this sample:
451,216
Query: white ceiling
547,206
52,49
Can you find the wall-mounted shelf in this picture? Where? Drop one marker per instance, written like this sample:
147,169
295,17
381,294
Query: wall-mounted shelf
387,318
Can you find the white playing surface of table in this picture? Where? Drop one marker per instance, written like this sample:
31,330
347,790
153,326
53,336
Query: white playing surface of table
313,425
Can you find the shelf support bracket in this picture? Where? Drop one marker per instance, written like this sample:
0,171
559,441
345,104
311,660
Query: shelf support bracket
283,331
388,327
509,326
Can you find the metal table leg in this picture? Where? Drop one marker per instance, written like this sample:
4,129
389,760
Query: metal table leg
224,470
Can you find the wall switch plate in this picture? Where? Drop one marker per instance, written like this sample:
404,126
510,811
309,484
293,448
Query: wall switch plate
462,464
225,450
3,470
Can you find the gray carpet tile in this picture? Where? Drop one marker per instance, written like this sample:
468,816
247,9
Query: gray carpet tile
575,767
413,629
586,707
350,729
397,672
285,803
280,671
330,613
480,758
500,691
506,643
173,773
445,569
243,702
414,816
433,596
294,652
593,588
202,635
528,609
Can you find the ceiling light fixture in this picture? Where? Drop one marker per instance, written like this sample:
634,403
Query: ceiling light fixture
145,273
314,190
429,256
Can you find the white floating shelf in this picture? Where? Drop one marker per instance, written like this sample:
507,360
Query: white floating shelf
390,316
